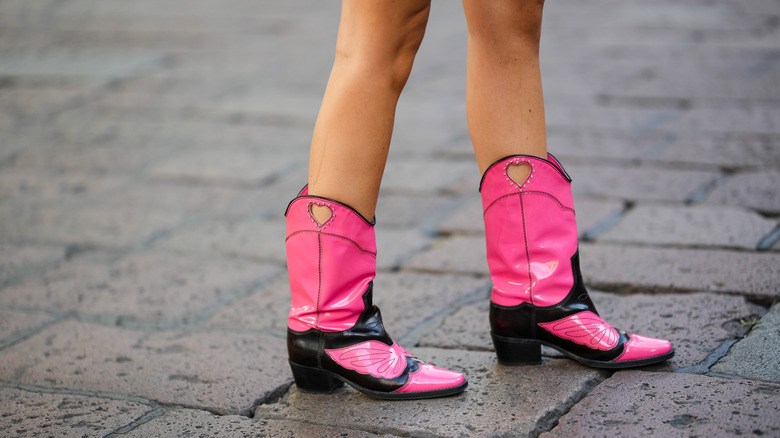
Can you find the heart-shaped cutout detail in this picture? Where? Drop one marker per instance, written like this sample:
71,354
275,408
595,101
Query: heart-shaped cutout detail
519,173
320,213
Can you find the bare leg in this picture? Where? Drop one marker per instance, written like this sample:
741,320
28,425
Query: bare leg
505,107
377,42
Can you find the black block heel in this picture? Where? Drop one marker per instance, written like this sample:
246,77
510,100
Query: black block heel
310,379
515,351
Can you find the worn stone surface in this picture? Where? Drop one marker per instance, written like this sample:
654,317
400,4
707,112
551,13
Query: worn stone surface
15,324
101,226
264,309
410,211
746,273
397,245
20,259
466,254
637,403
426,176
153,287
409,300
228,166
189,422
757,190
193,201
57,186
701,225
247,237
678,318
756,356
638,183
222,371
37,414
512,401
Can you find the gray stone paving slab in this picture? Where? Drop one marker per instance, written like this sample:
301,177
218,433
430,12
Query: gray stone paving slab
264,309
93,225
27,185
703,150
756,356
281,106
191,200
696,323
23,103
20,259
656,269
510,401
238,166
93,67
733,149
755,119
410,211
425,176
152,288
570,144
189,422
593,213
467,218
638,403
38,414
465,254
222,371
245,237
409,300
697,225
82,151
396,245
756,190
638,183
17,323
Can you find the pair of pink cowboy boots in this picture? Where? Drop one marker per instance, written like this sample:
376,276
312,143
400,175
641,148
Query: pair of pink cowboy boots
335,333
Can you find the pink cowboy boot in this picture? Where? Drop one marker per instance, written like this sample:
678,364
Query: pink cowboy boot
538,293
335,334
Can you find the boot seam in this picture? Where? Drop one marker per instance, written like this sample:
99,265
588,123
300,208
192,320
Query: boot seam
319,294
319,280
527,252
321,233
530,192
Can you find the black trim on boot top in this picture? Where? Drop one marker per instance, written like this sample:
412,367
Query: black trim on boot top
315,371
518,338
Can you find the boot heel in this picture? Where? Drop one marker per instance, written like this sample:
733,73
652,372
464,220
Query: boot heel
514,351
314,380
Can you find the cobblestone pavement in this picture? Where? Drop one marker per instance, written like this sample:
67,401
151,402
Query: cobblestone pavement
149,148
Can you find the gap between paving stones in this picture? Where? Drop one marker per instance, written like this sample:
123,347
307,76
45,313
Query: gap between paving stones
701,194
769,240
145,418
629,289
704,366
433,322
549,421
21,337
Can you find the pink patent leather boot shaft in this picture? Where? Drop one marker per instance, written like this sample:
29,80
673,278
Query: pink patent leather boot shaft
531,231
538,294
333,265
335,334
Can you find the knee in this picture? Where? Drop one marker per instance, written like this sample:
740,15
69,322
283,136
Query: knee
384,52
507,26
